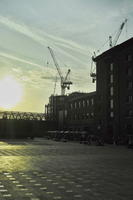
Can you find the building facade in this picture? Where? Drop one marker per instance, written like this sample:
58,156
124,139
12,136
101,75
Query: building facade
81,111
55,110
76,112
109,110
114,86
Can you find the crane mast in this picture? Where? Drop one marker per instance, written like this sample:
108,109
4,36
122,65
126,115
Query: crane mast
64,82
111,44
55,85
56,63
114,42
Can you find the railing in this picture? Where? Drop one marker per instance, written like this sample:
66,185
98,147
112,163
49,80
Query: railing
22,115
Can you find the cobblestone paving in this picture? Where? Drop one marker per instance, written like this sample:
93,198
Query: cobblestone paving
48,170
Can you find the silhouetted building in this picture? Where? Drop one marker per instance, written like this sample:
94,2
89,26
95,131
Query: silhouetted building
81,111
75,111
114,69
109,110
55,110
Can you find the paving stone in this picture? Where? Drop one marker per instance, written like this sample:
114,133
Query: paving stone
65,171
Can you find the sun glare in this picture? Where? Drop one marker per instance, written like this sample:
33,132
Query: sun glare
10,92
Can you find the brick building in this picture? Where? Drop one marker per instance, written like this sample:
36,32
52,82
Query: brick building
75,111
55,110
81,111
114,86
110,108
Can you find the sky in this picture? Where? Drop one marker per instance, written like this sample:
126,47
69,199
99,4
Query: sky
74,29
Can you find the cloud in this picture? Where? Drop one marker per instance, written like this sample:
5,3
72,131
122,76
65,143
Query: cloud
34,77
19,59
49,78
45,39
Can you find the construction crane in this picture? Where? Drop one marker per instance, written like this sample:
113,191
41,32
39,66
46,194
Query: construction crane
65,84
93,69
114,42
111,44
55,85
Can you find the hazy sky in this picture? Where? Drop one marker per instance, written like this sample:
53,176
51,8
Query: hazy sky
73,28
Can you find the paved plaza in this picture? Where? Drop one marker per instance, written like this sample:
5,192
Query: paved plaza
47,170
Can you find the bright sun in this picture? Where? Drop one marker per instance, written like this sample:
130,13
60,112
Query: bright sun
10,92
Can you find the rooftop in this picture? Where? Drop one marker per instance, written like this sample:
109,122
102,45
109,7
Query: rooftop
115,49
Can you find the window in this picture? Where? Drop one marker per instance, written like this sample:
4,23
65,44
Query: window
130,84
111,114
129,71
65,113
87,115
111,78
111,67
130,113
92,114
61,99
71,105
88,102
83,103
111,91
79,104
75,116
111,103
130,99
83,116
75,104
92,101
129,57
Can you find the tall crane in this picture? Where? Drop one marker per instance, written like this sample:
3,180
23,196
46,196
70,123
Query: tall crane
93,69
64,80
55,85
111,44
114,42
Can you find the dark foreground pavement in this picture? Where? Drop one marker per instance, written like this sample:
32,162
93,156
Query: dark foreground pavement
48,170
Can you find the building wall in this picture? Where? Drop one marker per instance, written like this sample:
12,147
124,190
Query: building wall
81,112
111,109
115,89
76,111
55,110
